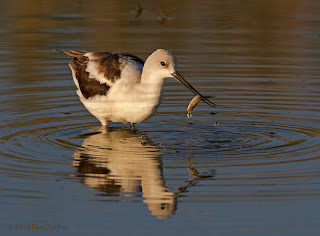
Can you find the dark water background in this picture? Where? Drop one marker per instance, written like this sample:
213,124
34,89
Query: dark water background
252,168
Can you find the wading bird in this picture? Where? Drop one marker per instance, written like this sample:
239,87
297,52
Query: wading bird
119,87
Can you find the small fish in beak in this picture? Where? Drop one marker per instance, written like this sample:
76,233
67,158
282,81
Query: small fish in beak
193,103
176,75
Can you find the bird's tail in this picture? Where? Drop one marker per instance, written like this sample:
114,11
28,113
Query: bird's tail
73,53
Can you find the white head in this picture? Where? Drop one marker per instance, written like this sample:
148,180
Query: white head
162,64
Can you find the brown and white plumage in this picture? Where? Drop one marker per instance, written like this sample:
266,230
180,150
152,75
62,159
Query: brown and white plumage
120,87
96,72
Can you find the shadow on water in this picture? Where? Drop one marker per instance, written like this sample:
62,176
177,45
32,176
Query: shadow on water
123,162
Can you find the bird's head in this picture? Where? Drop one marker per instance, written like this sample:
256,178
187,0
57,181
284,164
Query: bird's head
163,64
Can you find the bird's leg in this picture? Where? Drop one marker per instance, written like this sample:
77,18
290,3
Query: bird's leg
132,126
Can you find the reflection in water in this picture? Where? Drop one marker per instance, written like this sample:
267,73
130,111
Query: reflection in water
121,161
259,58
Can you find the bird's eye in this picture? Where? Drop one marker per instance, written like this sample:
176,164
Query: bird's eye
162,63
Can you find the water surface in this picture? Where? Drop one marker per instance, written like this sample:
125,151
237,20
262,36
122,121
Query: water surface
251,165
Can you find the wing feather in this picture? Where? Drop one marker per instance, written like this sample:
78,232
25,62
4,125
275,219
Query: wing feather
95,72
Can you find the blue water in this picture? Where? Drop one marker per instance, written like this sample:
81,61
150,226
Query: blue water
248,167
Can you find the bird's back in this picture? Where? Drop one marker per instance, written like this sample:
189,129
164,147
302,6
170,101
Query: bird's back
94,73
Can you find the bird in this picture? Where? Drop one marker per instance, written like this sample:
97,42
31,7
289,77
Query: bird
138,10
120,87
163,17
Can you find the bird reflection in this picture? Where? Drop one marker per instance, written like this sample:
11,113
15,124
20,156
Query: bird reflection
122,162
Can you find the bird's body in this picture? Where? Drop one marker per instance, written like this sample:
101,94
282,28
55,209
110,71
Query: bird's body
120,87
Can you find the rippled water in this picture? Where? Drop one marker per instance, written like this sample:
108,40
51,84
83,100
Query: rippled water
251,165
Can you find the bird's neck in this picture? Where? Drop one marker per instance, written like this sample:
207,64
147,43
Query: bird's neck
146,96
152,83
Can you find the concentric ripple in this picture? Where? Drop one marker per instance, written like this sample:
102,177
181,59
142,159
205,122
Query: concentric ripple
250,165
254,137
